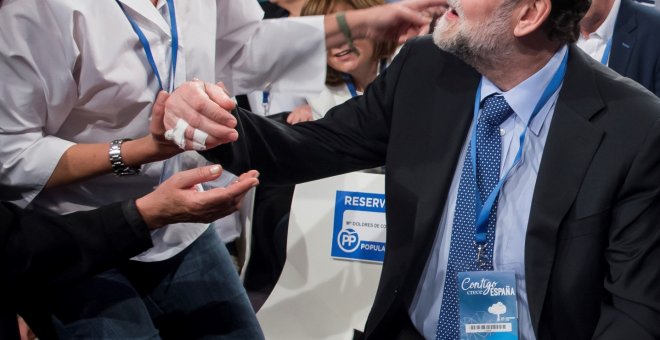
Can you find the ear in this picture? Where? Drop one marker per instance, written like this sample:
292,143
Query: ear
531,15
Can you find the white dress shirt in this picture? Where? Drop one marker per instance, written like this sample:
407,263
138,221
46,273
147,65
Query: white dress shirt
596,43
75,72
514,203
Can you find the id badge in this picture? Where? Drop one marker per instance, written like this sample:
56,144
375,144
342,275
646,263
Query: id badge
487,304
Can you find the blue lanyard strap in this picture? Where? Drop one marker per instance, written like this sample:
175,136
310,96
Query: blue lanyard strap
606,55
350,84
483,209
265,101
147,47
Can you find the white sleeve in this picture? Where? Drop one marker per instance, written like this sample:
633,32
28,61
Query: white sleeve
285,55
37,92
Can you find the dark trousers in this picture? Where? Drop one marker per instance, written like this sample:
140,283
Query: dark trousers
194,295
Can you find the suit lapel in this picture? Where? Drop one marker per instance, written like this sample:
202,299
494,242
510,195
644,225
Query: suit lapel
449,107
571,144
624,38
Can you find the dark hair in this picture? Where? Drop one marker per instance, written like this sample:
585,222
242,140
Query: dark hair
322,7
563,24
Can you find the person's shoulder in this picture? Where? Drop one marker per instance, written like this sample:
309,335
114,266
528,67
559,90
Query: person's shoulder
424,45
627,113
34,27
611,82
17,10
624,96
645,11
39,7
39,14
23,21
648,17
627,93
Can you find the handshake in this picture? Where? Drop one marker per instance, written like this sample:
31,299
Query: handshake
196,116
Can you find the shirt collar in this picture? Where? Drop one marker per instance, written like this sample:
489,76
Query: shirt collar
146,10
160,4
524,96
606,29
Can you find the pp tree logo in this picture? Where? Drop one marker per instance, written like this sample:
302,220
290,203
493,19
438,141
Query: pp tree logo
348,240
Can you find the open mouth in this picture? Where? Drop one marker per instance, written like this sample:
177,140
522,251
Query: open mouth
452,11
343,53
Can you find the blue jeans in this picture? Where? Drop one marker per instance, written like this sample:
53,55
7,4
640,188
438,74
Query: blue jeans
195,295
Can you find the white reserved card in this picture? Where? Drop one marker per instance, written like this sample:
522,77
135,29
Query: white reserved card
359,226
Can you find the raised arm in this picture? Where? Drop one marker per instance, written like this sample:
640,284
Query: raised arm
398,21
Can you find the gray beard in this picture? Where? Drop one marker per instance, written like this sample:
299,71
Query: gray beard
462,48
483,47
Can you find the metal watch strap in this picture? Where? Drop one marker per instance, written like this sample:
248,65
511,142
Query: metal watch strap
119,168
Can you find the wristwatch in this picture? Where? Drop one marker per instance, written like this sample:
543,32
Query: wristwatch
118,166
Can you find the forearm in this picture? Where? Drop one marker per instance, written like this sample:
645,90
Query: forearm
259,62
391,22
60,249
293,154
84,161
334,36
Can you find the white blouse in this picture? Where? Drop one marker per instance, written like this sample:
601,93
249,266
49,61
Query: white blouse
75,72
330,97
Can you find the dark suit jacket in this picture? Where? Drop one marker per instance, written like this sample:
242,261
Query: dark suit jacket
41,251
592,251
636,44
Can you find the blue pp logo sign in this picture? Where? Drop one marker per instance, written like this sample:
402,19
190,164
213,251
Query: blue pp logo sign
360,226
348,240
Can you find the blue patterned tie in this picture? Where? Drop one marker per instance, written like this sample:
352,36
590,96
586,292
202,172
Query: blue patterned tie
462,251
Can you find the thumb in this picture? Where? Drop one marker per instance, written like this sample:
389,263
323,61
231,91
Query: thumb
158,113
189,178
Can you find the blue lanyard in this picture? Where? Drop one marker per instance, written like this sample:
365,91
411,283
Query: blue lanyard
606,55
350,84
265,101
483,209
147,47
